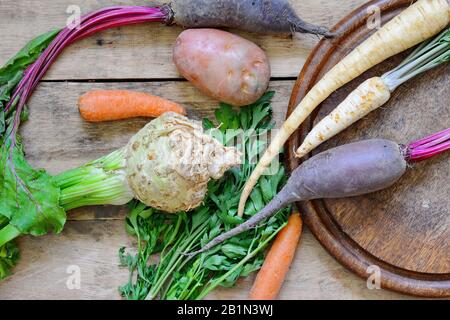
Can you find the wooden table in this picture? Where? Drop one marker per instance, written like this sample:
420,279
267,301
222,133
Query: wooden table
137,57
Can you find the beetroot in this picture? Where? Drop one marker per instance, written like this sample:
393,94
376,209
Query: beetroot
345,171
260,16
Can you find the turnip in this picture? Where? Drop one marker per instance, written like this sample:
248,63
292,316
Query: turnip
420,21
353,169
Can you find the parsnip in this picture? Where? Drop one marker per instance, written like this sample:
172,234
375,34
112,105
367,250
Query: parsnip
370,95
375,92
417,23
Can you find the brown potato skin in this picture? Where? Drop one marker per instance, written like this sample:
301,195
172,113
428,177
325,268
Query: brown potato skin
222,65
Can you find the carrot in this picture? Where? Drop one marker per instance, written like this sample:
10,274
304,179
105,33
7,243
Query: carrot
276,265
417,23
107,105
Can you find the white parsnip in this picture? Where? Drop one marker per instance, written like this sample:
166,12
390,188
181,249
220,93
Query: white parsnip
415,24
375,92
370,95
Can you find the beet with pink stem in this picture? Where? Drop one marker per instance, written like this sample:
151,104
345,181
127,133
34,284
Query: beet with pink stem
345,171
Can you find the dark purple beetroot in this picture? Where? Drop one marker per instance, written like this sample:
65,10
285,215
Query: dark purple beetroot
260,16
345,171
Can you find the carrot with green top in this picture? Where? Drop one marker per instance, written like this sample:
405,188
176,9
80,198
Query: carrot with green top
108,105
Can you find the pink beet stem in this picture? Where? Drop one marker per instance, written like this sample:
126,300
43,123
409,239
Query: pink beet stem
91,28
89,24
429,146
435,142
429,138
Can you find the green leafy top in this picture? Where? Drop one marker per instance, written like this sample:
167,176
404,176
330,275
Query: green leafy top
428,55
176,276
13,71
9,253
29,200
33,209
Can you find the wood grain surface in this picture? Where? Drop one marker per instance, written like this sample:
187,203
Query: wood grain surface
93,245
405,229
145,51
139,58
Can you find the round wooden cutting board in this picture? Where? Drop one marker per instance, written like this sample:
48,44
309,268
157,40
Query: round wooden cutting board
403,230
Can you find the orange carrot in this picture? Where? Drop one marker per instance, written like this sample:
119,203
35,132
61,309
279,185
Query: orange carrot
278,261
107,105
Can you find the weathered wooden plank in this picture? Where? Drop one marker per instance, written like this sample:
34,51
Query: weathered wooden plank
42,272
145,51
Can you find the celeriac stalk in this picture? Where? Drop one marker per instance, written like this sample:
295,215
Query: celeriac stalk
97,183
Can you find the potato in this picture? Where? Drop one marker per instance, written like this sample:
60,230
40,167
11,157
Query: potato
222,65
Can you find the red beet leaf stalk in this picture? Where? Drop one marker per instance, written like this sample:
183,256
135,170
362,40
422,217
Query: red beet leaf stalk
89,24
428,147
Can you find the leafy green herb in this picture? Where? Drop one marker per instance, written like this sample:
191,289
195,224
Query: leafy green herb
175,276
